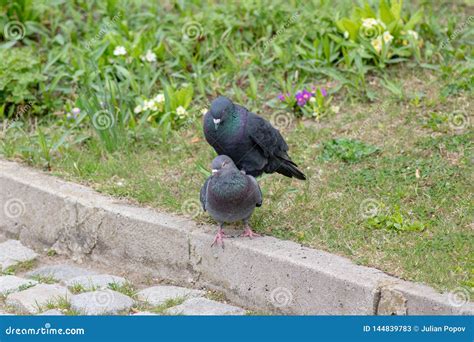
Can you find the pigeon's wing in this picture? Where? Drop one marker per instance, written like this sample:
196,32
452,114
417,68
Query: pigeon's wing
273,147
203,193
266,137
257,188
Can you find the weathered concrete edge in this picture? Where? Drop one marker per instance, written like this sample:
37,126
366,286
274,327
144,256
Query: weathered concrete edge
262,274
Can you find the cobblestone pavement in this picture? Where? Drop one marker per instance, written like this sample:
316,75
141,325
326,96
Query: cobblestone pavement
37,284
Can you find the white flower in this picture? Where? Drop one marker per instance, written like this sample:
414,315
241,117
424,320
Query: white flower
369,22
138,109
160,98
346,34
335,109
181,111
312,99
412,33
377,44
204,111
120,51
387,37
76,111
150,104
150,56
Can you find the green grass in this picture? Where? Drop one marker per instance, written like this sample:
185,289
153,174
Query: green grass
60,303
160,309
388,153
20,267
45,279
126,288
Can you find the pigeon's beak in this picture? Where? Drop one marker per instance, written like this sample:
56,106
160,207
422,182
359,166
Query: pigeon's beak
216,123
214,171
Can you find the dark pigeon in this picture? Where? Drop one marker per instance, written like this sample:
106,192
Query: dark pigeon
252,142
229,195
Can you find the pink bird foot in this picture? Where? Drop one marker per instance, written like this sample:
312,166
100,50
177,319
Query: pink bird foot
249,233
219,238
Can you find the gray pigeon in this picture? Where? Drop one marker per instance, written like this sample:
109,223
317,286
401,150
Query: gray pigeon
230,195
252,142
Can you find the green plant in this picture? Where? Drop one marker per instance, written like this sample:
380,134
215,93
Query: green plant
19,78
347,150
44,279
20,267
126,288
169,110
384,36
395,222
109,111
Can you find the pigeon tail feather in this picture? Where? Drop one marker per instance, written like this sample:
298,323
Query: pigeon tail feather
289,169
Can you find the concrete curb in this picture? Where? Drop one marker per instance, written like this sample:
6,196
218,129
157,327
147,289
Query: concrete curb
261,274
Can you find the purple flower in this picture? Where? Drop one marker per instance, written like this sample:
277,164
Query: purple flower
324,92
281,97
302,97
